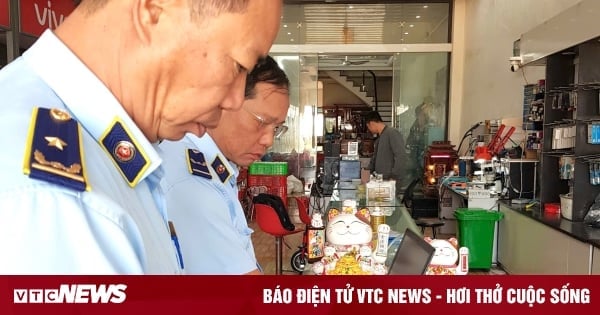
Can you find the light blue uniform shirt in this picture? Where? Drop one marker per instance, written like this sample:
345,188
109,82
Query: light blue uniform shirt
212,228
46,228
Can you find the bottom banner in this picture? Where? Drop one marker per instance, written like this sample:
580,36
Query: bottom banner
296,294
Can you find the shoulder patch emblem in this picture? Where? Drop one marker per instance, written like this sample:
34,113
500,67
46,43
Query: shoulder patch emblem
221,169
54,152
125,152
196,163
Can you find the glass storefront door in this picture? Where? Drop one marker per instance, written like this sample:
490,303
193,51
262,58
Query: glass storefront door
420,102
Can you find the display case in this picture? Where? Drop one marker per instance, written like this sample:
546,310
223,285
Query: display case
345,123
571,109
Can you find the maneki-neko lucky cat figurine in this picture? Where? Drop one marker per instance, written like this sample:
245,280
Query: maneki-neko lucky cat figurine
329,260
448,259
348,232
365,259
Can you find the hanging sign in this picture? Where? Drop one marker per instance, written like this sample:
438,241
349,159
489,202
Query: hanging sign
39,15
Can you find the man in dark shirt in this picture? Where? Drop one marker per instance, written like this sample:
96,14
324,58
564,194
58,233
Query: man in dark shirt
389,158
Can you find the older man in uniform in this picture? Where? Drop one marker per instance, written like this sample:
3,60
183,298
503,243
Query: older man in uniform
82,112
201,176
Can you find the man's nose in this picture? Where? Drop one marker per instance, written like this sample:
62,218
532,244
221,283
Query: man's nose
235,97
267,137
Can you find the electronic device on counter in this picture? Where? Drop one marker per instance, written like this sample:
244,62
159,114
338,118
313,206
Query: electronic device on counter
331,149
413,255
349,169
521,179
331,173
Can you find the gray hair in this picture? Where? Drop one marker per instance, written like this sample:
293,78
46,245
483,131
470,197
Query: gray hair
199,7
216,7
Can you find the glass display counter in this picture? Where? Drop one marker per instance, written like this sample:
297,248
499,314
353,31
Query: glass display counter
396,214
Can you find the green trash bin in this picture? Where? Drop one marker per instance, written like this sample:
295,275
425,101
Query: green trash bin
476,232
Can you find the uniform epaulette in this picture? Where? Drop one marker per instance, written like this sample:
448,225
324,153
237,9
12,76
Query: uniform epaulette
197,163
54,150
125,152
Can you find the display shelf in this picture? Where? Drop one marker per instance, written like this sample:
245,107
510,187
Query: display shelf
559,153
572,99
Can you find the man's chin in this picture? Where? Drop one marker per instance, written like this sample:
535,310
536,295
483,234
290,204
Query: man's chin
199,130
245,162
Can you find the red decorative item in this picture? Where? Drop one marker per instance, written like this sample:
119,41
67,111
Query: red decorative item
482,153
440,159
498,141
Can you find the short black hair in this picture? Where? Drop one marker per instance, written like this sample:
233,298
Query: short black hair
267,71
372,116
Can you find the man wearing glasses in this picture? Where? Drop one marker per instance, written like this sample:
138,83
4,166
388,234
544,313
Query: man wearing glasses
201,176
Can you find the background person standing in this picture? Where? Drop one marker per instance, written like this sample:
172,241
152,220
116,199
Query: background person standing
389,157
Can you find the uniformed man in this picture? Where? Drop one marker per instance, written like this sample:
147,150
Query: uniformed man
201,181
82,112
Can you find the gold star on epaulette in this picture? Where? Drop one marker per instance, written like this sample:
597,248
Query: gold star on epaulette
56,142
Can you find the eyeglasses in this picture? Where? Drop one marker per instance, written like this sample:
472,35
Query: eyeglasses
278,130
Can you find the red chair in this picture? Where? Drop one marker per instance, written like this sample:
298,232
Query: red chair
303,204
272,218
299,258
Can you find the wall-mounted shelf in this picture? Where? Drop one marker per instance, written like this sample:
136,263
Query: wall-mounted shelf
576,76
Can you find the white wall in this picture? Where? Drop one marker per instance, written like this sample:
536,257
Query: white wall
489,89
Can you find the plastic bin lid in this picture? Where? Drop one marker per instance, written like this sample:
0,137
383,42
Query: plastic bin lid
478,215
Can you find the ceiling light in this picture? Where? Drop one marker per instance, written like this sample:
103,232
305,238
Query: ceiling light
289,33
425,6
418,16
412,25
405,33
284,25
350,7
291,39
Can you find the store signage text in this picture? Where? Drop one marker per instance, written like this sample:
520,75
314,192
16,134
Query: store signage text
39,15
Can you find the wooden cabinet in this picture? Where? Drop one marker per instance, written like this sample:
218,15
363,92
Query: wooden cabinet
572,100
345,123
526,246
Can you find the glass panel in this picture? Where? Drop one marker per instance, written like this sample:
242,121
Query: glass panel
420,102
302,73
289,141
391,23
298,145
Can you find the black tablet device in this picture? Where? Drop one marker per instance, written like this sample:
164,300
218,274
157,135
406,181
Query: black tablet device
413,255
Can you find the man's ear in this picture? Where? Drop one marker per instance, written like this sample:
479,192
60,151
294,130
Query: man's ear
146,14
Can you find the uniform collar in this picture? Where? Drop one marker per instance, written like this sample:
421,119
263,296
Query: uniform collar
88,100
207,145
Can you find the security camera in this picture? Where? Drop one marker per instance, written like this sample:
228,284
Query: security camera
515,63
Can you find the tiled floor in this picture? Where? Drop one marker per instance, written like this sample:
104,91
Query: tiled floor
264,246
